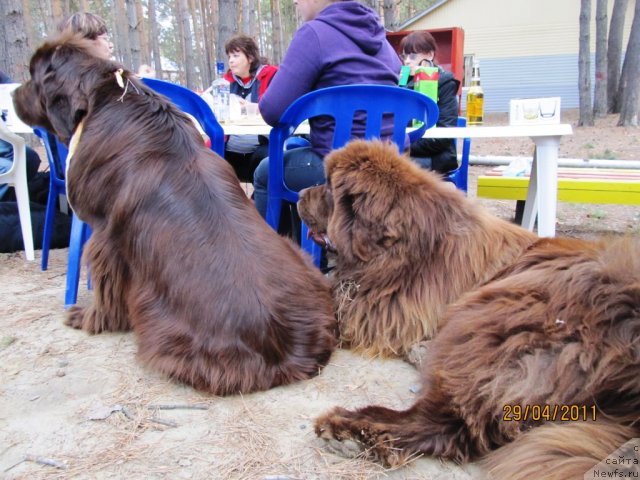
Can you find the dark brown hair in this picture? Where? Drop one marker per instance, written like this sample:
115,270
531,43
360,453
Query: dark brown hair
246,45
418,42
87,24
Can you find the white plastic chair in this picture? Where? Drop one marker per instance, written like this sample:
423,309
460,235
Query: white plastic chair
17,176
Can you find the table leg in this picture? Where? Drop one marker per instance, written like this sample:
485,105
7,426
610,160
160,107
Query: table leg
531,204
546,187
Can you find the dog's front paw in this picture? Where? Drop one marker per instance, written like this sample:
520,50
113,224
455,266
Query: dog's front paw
74,317
417,353
352,434
333,428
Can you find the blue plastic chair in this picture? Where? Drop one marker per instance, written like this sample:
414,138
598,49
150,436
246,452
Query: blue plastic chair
341,103
56,156
460,176
191,103
187,101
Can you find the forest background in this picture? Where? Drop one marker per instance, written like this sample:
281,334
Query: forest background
182,40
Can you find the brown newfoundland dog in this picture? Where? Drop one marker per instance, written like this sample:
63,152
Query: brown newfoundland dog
406,245
178,253
552,340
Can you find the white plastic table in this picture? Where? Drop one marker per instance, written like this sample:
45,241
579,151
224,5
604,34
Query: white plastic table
542,196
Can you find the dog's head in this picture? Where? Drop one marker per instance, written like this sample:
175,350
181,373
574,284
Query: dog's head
377,202
64,71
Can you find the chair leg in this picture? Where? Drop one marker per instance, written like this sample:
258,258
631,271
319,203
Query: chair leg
22,197
76,243
48,226
309,245
274,209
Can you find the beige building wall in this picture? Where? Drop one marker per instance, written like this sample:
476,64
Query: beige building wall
515,28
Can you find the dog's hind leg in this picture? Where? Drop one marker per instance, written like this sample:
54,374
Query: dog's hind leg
108,312
394,437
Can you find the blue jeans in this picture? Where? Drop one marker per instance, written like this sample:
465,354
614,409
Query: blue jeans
302,168
423,162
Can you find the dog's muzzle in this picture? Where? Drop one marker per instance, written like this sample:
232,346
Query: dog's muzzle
321,239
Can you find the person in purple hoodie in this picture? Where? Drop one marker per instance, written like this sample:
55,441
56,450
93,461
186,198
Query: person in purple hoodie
340,43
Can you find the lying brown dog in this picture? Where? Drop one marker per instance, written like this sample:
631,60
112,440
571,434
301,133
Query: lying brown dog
178,253
406,244
552,341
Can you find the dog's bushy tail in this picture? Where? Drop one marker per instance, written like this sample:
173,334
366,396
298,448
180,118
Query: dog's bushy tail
557,451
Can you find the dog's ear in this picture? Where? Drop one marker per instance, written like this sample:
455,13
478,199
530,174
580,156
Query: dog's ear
29,107
63,73
371,223
63,88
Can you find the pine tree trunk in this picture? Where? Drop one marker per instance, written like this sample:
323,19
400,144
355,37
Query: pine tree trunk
226,26
28,23
187,45
390,8
209,47
584,65
145,56
199,58
276,32
629,78
153,32
249,17
15,51
133,25
614,55
121,40
600,93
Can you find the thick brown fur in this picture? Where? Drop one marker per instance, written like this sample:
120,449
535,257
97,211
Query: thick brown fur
178,253
560,325
407,245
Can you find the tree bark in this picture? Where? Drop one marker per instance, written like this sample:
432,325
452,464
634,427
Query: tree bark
629,78
133,25
390,8
277,38
121,40
28,23
208,43
187,44
199,58
614,55
584,65
226,26
600,93
249,17
143,29
16,49
153,40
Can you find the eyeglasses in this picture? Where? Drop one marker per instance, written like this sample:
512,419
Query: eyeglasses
409,56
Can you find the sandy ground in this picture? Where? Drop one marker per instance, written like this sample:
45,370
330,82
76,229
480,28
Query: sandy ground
79,406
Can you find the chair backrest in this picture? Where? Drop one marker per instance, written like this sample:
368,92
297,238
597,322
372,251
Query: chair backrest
190,102
383,106
56,155
460,176
341,103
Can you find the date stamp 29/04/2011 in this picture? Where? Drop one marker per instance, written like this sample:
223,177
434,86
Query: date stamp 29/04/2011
548,413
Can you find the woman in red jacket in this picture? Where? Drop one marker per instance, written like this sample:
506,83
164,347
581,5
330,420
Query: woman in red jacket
248,78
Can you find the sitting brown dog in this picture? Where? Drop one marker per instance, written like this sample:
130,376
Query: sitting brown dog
406,244
178,252
537,370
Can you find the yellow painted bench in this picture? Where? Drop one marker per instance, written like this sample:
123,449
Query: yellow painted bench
580,185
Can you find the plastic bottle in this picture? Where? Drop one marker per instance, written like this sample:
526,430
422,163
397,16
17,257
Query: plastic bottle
220,93
475,98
